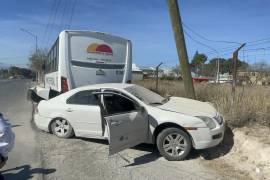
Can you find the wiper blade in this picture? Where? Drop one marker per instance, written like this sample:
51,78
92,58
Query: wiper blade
166,100
156,103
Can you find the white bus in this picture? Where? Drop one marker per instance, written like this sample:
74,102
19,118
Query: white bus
80,58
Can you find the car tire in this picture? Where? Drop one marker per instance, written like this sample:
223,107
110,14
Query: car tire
173,144
62,128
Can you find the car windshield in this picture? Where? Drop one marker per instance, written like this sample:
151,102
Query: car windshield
145,95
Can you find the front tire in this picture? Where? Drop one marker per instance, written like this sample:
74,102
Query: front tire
62,128
173,144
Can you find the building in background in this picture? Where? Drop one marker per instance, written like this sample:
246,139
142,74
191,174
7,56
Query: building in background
137,73
253,77
150,72
169,73
225,78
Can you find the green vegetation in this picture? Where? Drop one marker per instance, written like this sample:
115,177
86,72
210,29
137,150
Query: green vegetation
37,63
204,67
16,72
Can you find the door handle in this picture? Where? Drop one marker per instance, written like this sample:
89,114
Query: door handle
69,110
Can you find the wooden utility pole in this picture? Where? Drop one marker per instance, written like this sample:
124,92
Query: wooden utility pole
157,68
235,58
181,47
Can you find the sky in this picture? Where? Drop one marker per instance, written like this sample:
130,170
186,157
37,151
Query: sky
146,23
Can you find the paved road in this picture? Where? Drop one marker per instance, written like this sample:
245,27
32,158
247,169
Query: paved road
25,160
39,155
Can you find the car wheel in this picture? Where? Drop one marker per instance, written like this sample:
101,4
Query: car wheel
62,128
173,144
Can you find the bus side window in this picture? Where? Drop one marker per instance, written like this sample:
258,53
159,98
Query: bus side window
51,65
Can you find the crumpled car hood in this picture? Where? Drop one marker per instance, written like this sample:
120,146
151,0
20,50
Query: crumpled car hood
189,107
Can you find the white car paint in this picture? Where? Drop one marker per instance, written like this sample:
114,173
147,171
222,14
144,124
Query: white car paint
177,111
7,137
189,107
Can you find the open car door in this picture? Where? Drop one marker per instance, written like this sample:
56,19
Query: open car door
127,122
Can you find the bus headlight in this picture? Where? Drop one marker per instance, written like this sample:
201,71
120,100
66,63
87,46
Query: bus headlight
208,121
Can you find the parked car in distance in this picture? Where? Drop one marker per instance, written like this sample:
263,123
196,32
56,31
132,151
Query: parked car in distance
128,115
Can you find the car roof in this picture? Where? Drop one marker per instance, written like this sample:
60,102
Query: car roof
105,85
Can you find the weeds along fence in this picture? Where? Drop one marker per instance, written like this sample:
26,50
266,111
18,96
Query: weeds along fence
251,106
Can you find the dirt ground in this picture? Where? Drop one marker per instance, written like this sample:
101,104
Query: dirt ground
243,150
79,158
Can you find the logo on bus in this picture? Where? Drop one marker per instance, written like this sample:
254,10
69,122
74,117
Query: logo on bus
99,48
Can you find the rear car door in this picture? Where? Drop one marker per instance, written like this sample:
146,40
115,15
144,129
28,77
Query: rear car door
84,113
127,122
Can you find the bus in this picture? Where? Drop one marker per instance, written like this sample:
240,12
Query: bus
79,58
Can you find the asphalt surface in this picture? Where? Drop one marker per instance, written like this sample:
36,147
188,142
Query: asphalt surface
40,155
25,159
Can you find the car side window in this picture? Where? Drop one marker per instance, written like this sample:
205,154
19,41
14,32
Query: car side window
84,98
116,104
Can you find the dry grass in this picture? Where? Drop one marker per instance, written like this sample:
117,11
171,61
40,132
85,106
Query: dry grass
252,104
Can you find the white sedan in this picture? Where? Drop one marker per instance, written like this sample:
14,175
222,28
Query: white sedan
128,115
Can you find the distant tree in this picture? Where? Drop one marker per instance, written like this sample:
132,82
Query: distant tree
3,73
15,71
37,62
240,65
210,69
18,71
198,61
225,66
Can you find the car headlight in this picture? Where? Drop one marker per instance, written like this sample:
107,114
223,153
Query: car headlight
219,119
208,121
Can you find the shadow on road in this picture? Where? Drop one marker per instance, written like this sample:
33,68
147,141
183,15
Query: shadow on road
146,158
23,172
16,125
99,141
208,154
222,149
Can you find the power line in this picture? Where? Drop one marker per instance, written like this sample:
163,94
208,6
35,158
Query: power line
249,43
223,50
72,13
256,44
49,20
257,49
214,50
203,37
246,50
62,24
264,39
58,3
199,42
